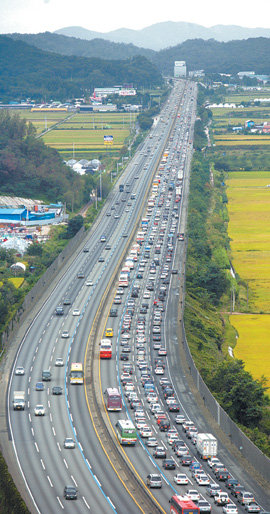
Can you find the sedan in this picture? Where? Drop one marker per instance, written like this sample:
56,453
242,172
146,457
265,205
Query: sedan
193,494
252,507
213,489
152,442
146,432
186,460
76,312
181,479
89,283
169,464
159,453
19,370
179,419
101,259
39,386
59,362
202,480
39,410
69,443
204,506
57,390
65,334
159,371
162,351
230,509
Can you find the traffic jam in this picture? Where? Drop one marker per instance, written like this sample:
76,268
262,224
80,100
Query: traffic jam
184,457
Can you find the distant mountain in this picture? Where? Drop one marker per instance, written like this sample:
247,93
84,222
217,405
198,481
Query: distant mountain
166,34
51,42
27,71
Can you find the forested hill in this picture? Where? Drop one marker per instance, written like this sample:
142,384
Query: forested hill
28,71
97,47
210,55
215,57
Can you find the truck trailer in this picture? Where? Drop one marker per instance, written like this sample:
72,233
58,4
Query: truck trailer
206,445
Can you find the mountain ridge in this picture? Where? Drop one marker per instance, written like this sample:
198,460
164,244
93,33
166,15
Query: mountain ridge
166,34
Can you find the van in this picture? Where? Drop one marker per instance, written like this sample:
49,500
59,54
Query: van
46,375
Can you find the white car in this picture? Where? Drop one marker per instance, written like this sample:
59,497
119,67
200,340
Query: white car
193,494
147,295
211,462
159,371
69,443
39,410
65,334
202,480
59,362
146,432
230,509
19,370
179,419
76,312
88,283
181,479
152,442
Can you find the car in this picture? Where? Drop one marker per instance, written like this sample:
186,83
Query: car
39,386
124,356
103,239
181,479
204,506
152,442
19,370
39,410
65,334
146,432
193,494
237,489
179,419
59,311
101,259
46,375
230,508
70,492
67,301
57,390
245,497
252,507
159,370
230,482
113,313
159,453
212,461
88,283
162,351
108,213
202,479
213,489
186,460
168,464
153,480
116,216
80,274
76,312
69,443
221,498
59,362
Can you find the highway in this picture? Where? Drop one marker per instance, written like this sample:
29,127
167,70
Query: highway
45,465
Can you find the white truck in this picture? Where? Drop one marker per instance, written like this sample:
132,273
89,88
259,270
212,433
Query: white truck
19,400
206,445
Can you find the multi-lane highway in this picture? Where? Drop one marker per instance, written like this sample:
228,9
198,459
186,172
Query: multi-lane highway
38,441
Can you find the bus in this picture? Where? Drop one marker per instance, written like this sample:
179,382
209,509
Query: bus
105,350
113,399
76,373
182,505
126,432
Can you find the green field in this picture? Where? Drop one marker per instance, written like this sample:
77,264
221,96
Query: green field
43,119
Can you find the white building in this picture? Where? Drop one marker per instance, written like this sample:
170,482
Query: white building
180,69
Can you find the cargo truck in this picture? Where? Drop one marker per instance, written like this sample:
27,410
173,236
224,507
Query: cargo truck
206,445
19,400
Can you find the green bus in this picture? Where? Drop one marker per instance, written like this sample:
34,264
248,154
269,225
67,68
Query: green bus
126,432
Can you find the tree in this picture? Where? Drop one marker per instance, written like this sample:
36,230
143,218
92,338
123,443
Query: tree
240,395
74,225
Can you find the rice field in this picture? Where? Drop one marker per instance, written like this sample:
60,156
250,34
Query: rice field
253,343
82,135
249,230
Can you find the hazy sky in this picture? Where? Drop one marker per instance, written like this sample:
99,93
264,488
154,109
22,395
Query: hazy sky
41,15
